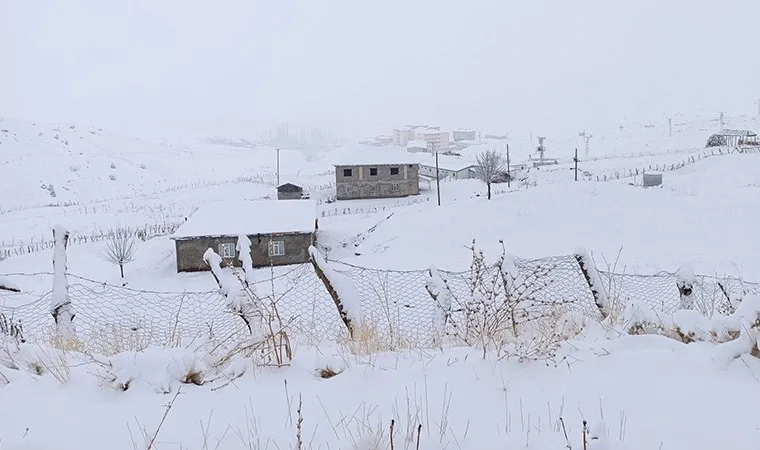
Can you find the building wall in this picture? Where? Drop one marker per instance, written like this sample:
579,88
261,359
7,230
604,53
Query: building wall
464,135
401,136
289,195
462,174
435,140
189,252
383,185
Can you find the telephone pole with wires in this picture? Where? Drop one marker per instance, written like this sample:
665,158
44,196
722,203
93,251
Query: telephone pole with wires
278,166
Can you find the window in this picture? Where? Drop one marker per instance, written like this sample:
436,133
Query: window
276,248
373,171
227,250
394,170
394,187
348,173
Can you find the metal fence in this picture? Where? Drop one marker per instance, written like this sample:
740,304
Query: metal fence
396,303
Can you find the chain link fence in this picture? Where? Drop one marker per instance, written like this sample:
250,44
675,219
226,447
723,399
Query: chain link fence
396,304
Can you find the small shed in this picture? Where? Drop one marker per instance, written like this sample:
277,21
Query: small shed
733,138
289,191
280,233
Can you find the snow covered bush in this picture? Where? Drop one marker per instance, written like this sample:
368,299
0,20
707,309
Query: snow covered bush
502,310
736,334
685,284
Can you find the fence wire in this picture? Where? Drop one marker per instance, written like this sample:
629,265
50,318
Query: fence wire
396,303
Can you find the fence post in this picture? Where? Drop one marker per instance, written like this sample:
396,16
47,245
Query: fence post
60,302
593,280
685,285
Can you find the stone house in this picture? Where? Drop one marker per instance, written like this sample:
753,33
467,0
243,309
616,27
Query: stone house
377,180
280,233
289,191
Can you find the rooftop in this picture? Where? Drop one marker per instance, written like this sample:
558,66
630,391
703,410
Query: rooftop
416,144
233,218
372,156
742,133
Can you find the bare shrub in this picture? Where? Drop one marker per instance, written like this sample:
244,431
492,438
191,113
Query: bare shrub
120,249
503,310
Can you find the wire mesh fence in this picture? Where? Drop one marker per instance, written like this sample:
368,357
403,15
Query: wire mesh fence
396,303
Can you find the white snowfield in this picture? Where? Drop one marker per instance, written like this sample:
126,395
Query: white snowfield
233,218
635,391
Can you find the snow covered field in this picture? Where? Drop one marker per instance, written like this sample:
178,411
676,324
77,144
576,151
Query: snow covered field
637,392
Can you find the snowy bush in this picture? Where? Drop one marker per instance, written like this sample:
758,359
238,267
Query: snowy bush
120,250
685,284
736,334
502,310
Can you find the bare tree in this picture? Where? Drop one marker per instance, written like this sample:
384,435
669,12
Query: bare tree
490,166
120,249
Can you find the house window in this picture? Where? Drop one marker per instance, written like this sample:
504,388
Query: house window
227,250
394,170
277,248
394,187
373,171
348,172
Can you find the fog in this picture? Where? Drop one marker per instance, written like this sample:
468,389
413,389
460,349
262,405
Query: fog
359,67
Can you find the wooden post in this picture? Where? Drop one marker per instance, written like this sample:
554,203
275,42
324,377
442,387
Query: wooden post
437,177
509,172
575,159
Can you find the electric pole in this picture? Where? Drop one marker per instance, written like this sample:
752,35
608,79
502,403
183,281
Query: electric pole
721,120
437,175
670,127
278,166
509,172
587,138
575,159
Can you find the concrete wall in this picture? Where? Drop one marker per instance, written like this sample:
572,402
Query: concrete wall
189,252
361,184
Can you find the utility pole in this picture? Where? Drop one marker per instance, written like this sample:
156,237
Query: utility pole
576,164
437,175
670,127
278,166
509,172
721,120
758,106
587,138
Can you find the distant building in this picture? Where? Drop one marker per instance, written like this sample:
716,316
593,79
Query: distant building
289,191
499,137
378,179
435,139
464,135
401,136
733,138
449,167
416,146
280,233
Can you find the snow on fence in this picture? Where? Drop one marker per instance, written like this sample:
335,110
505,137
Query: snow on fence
397,304
144,232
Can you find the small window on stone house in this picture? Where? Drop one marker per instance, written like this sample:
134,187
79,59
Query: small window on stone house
394,188
276,248
227,250
394,170
348,172
373,171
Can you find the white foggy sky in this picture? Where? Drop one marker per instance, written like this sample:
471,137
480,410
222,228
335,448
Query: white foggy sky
363,66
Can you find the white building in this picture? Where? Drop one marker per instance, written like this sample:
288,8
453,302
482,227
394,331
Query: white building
416,146
401,136
463,134
435,139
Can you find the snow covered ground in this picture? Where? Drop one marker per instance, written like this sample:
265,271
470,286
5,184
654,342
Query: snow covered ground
648,391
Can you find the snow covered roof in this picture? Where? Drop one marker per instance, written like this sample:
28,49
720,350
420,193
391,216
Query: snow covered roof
233,218
374,158
283,183
416,144
430,131
742,133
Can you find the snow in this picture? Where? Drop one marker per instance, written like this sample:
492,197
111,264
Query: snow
350,298
243,248
597,287
228,285
372,156
416,144
60,302
8,285
232,218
